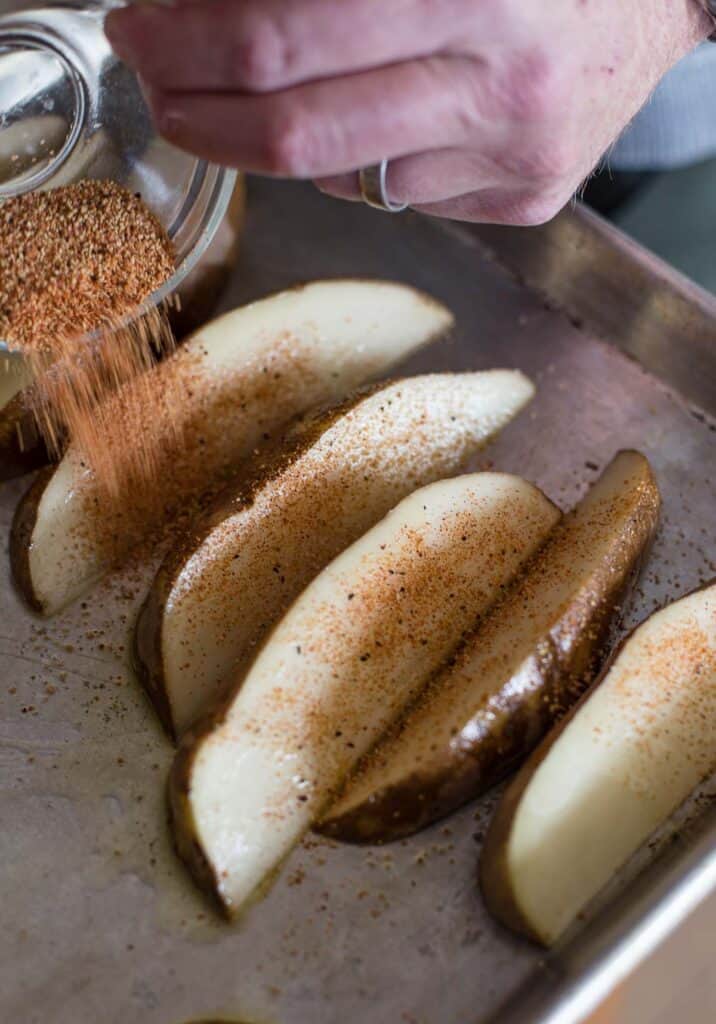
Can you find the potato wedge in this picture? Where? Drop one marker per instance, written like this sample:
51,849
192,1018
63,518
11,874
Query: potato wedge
608,775
526,663
245,375
219,591
358,643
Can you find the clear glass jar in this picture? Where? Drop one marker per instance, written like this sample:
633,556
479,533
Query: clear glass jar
70,109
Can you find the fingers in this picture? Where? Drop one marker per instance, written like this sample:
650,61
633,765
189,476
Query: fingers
460,185
328,128
431,177
265,45
246,83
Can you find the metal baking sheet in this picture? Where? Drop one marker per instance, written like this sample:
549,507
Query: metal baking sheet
99,920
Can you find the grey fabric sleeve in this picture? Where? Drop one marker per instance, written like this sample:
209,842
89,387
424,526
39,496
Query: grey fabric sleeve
678,124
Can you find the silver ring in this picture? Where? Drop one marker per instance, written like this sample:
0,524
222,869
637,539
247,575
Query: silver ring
374,188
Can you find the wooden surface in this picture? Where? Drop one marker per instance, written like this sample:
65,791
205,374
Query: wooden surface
677,985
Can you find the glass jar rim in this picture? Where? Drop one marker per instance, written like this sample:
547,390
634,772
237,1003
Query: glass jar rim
223,190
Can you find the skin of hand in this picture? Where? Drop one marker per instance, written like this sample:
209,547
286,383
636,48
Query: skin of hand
489,110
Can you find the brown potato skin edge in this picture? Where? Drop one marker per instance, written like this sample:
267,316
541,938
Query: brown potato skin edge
493,872
181,819
21,531
422,799
275,460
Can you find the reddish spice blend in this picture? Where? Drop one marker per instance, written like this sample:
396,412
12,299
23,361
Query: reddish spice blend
75,260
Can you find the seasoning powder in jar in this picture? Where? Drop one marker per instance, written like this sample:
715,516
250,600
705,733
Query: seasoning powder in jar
78,261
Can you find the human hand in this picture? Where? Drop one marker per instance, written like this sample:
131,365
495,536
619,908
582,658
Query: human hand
489,110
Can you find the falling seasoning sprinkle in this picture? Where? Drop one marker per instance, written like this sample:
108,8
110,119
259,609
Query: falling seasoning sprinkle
77,260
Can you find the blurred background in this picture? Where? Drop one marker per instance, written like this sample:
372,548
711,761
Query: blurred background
674,214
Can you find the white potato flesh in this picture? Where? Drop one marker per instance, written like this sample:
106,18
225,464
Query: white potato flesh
248,567
357,645
632,753
248,373
63,557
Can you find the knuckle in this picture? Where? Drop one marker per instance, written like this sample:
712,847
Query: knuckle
288,145
259,57
533,86
533,209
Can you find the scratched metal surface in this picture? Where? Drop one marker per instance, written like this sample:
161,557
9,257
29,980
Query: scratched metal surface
99,921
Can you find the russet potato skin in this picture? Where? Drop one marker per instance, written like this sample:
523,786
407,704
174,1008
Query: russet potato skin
564,664
274,460
399,811
147,656
494,875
